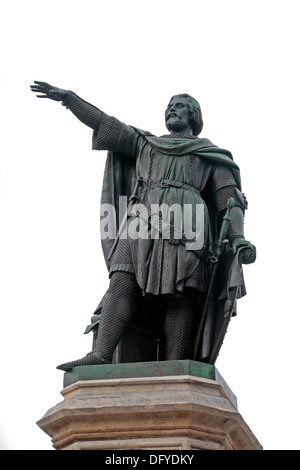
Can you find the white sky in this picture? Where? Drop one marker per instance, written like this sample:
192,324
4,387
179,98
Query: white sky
240,59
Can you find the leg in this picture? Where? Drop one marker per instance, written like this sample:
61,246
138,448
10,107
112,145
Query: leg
178,327
116,313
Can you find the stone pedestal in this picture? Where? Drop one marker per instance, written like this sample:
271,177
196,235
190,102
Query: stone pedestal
175,405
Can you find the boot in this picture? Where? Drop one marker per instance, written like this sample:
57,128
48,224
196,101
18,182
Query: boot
91,359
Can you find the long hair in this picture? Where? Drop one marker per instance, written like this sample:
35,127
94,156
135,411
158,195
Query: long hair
195,112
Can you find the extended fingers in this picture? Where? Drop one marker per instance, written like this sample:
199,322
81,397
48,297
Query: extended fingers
44,84
37,90
40,87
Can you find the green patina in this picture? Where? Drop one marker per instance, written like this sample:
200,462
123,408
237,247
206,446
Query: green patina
148,369
140,369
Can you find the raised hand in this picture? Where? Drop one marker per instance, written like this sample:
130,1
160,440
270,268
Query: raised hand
49,91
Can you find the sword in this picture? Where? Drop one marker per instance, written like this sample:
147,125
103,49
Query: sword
215,260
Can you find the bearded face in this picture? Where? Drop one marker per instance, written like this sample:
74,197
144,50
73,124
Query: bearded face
178,115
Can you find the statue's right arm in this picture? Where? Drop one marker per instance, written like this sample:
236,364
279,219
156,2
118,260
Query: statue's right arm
108,132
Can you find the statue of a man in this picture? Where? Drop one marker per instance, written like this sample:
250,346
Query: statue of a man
177,170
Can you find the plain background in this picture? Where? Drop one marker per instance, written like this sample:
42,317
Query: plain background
240,60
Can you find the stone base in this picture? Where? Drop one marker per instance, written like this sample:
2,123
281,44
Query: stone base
174,405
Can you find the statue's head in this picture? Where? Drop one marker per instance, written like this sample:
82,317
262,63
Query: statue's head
187,113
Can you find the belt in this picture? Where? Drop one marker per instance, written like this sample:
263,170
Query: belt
165,183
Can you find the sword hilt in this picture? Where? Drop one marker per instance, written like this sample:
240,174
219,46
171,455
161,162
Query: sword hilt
229,205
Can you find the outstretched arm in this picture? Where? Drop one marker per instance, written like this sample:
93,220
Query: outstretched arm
109,132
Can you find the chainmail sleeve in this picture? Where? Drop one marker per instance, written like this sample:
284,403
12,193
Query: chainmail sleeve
108,134
107,129
224,186
84,111
116,136
223,194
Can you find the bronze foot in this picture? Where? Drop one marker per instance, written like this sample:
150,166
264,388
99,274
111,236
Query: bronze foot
91,359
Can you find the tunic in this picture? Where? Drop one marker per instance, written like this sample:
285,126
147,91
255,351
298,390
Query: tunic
164,255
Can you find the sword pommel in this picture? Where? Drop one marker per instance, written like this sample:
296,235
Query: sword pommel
230,203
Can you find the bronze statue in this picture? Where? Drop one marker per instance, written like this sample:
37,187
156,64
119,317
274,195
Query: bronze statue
182,191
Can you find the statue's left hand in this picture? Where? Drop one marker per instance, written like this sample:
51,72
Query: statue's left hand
238,242
249,254
49,91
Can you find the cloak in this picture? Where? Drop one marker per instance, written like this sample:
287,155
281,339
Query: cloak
120,180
